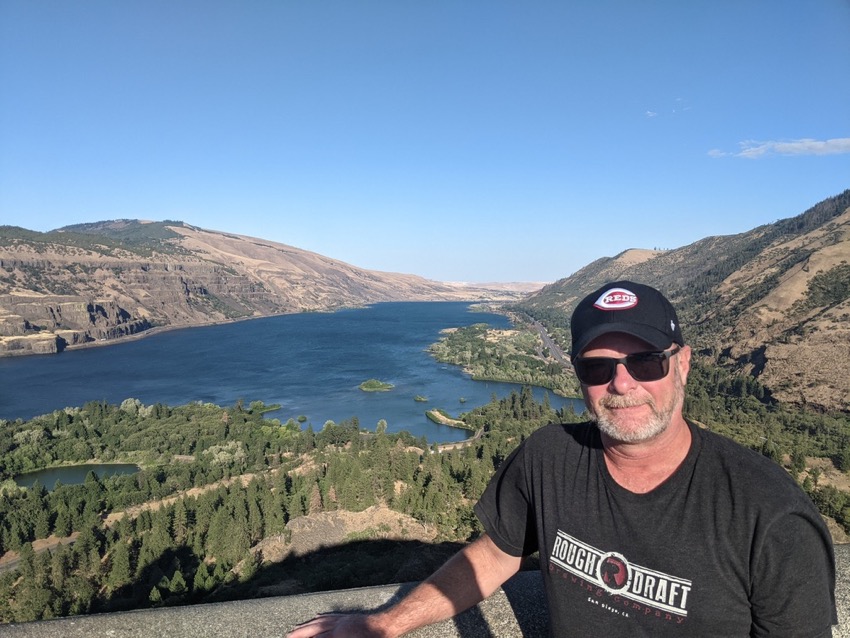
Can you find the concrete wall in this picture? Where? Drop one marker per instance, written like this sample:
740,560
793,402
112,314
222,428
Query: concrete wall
516,610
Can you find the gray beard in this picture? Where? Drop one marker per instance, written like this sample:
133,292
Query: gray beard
657,423
654,426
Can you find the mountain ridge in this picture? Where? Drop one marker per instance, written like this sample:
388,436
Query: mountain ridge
92,283
772,302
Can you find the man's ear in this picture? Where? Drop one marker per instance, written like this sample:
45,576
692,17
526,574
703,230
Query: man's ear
684,362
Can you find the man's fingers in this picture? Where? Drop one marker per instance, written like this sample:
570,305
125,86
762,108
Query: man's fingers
316,626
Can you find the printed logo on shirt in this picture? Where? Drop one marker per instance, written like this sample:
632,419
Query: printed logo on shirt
636,589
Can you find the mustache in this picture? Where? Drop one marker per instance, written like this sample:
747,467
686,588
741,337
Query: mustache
616,401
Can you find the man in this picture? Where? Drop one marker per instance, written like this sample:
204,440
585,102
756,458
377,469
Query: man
646,525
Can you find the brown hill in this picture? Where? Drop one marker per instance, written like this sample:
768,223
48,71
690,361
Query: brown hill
773,302
99,282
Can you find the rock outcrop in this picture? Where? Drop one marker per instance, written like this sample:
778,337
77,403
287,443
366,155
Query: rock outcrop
39,325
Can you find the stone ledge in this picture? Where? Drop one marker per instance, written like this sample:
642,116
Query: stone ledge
514,611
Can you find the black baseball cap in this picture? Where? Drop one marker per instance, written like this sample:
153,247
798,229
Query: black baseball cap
629,307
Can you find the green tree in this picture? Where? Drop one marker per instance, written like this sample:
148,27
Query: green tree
177,586
201,580
256,522
120,567
42,523
62,524
249,567
33,602
316,499
60,567
79,594
180,522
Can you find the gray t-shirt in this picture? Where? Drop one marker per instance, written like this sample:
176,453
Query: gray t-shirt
728,546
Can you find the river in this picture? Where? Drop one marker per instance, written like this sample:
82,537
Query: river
311,364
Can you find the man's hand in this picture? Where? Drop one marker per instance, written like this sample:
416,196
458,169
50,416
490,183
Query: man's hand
339,625
466,579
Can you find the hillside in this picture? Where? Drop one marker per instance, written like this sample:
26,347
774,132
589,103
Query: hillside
773,302
108,280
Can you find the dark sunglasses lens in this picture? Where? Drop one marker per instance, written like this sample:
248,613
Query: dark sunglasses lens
648,367
595,371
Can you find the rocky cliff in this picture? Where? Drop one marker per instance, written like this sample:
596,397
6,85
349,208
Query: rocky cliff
100,282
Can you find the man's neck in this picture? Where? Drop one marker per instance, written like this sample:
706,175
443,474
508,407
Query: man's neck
641,467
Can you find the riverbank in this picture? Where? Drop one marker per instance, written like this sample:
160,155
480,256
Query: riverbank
98,343
481,307
475,306
441,418
523,354
310,364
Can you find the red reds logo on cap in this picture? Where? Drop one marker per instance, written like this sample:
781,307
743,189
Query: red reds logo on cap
616,299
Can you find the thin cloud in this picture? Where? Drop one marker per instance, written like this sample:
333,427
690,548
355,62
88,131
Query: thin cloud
680,105
754,150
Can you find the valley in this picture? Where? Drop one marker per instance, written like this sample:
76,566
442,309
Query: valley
234,501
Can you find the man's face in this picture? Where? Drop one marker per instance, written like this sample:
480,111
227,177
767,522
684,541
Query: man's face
628,410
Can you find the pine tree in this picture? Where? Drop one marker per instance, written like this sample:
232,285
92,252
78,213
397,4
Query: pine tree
42,523
33,601
177,586
249,567
60,567
201,581
332,499
26,564
62,524
315,499
120,568
180,523
79,595
219,573
255,520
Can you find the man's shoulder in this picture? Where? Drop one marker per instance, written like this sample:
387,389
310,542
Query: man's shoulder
742,463
722,444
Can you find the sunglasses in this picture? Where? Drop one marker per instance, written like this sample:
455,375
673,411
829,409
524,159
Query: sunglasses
643,366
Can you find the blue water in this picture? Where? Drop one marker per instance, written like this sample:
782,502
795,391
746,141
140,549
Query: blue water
73,474
311,364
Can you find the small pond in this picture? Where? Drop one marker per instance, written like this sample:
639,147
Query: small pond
73,474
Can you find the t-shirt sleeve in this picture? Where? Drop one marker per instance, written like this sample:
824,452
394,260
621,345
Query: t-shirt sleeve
793,579
506,508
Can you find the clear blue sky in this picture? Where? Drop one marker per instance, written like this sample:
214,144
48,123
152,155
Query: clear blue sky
459,140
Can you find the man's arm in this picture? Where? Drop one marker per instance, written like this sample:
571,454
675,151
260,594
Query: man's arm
793,589
464,580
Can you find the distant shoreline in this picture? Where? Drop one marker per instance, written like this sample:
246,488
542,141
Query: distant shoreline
158,330
133,337
161,329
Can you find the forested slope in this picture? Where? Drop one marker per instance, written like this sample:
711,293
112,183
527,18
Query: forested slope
206,543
